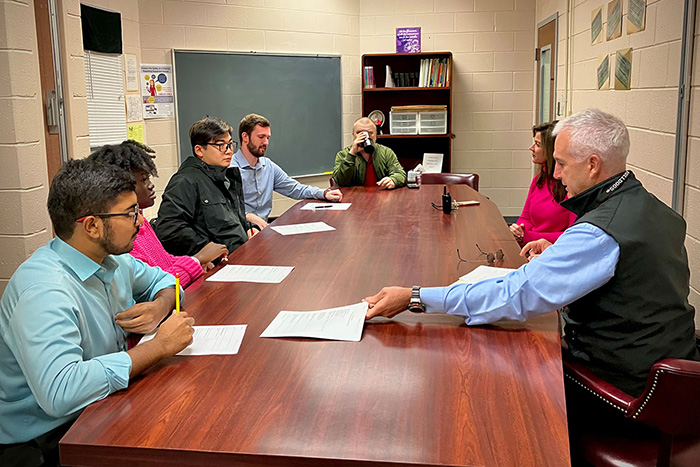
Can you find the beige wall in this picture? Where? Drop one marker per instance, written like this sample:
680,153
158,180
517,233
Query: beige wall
649,109
24,224
492,42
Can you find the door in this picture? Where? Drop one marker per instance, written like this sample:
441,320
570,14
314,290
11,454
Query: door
546,56
49,96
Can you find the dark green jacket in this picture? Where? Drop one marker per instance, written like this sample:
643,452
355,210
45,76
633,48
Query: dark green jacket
197,208
350,168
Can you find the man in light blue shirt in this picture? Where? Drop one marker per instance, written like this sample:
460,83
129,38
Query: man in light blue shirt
67,310
261,176
621,271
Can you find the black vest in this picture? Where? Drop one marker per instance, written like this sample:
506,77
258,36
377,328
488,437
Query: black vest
642,314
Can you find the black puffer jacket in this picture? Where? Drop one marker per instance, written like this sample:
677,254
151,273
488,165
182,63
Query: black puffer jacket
197,208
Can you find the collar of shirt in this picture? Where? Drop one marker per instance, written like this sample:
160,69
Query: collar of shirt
81,265
239,160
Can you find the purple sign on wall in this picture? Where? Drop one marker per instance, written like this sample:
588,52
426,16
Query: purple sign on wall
407,40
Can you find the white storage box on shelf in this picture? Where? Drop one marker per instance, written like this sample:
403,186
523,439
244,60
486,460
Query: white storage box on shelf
432,123
403,123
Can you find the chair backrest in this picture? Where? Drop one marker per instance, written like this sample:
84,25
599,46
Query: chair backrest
332,183
671,400
471,180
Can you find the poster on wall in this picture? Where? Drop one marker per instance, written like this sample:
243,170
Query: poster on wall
597,26
636,16
407,40
614,19
133,108
135,132
131,71
603,72
157,91
623,69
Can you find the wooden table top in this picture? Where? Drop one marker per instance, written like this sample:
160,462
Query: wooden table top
416,390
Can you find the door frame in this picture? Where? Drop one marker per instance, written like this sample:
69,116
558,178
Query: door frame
555,63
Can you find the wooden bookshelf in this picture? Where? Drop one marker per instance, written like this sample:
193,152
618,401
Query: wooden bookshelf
409,148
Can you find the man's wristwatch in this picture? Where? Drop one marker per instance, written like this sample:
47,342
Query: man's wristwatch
415,305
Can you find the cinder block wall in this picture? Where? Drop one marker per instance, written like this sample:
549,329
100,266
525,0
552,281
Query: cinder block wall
492,42
24,223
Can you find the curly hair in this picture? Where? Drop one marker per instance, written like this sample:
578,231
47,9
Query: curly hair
130,155
83,187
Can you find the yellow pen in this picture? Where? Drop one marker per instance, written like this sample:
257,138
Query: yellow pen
177,292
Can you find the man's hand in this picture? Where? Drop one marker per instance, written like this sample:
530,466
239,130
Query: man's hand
386,184
143,318
333,195
389,302
210,252
535,248
175,333
357,146
252,232
255,219
517,231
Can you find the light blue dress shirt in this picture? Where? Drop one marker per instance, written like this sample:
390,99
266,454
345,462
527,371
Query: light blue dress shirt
583,259
60,348
260,181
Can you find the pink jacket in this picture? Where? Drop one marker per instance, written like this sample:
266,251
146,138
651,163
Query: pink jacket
148,249
543,217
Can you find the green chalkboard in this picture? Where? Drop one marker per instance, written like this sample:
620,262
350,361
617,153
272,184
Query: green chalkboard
299,94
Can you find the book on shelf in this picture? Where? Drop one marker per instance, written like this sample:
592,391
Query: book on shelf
369,77
434,72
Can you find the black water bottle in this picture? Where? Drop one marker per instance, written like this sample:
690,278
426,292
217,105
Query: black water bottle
446,202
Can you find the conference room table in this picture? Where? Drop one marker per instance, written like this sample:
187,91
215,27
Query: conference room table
418,389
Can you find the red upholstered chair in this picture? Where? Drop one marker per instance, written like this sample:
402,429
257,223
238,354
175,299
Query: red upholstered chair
670,404
451,179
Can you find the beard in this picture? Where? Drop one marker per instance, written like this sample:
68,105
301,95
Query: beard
111,248
257,151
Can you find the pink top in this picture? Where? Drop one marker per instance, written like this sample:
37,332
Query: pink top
543,217
148,249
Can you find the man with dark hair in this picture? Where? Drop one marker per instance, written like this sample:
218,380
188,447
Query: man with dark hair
203,201
138,158
261,176
67,310
373,165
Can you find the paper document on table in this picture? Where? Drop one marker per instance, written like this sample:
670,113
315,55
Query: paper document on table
294,229
325,206
484,272
342,324
432,162
242,273
212,340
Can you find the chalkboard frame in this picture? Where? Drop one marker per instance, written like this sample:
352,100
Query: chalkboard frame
301,150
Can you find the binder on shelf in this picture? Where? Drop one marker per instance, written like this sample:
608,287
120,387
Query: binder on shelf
389,82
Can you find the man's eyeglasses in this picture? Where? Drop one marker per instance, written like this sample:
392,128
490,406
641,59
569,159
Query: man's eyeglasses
223,147
133,213
490,257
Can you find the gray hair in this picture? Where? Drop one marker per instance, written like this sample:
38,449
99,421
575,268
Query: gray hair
592,131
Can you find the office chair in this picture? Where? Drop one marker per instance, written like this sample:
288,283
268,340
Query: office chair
333,184
670,404
471,180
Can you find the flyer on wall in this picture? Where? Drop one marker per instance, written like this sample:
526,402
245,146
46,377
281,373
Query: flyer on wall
157,91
